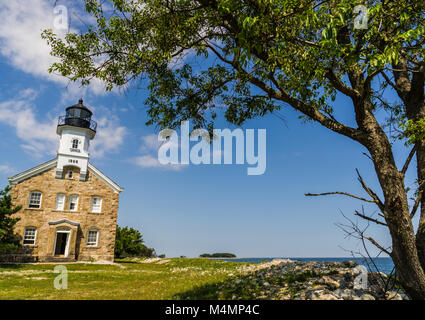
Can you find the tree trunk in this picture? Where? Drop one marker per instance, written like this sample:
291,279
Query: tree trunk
396,210
415,110
420,234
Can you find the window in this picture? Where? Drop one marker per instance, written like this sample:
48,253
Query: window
73,203
70,174
29,235
96,204
60,201
35,200
75,143
92,238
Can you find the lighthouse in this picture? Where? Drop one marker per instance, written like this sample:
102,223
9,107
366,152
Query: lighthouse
69,207
76,129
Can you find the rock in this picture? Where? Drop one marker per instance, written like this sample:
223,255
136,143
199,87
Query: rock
393,295
345,294
404,296
313,280
348,264
314,294
326,296
331,282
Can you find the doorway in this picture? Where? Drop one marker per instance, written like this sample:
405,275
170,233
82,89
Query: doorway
61,243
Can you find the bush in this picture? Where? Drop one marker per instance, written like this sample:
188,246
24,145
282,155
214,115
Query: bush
129,243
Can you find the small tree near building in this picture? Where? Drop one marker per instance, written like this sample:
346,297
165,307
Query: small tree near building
129,243
8,239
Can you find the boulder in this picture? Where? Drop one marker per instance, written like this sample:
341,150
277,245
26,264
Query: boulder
393,295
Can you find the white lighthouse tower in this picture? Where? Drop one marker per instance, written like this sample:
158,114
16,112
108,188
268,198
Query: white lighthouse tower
75,129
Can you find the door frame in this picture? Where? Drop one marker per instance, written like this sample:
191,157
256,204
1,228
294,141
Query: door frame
68,240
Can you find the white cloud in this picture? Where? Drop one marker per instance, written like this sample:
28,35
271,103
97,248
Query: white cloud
109,138
21,24
147,161
39,135
150,146
6,169
150,143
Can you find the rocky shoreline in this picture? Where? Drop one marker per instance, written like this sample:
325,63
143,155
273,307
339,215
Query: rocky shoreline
284,279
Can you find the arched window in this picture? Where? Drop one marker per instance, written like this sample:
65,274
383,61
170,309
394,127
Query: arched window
35,200
30,234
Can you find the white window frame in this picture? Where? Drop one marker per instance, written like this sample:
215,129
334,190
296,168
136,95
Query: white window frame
34,205
71,202
91,243
72,143
62,207
98,208
32,237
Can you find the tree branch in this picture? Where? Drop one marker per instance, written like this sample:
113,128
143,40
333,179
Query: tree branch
409,158
284,96
369,218
341,86
376,244
338,192
370,192
416,205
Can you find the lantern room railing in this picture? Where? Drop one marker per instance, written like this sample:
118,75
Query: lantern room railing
77,122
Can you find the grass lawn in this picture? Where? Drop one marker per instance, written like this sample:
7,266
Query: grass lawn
165,279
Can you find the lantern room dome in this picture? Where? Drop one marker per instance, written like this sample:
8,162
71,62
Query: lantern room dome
78,116
79,110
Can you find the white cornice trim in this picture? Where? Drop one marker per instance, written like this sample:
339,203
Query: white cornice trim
104,178
32,172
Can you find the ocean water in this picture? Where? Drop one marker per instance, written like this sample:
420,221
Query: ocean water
385,265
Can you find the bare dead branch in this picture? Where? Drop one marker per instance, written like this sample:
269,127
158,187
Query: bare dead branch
409,158
364,153
369,218
376,244
358,233
338,192
416,205
370,192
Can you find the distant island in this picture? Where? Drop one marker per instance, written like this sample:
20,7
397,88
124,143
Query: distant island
218,255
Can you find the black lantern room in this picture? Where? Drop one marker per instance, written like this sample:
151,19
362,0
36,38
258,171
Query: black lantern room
78,116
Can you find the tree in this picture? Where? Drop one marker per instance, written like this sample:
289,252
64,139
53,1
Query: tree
129,243
218,255
8,239
259,56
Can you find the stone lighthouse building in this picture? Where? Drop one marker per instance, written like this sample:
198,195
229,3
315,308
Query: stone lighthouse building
69,207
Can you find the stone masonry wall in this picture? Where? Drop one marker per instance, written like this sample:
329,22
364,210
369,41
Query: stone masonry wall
105,222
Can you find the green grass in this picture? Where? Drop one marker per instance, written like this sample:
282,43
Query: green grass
178,278
128,280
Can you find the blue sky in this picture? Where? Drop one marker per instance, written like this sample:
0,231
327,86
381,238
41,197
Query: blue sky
195,209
